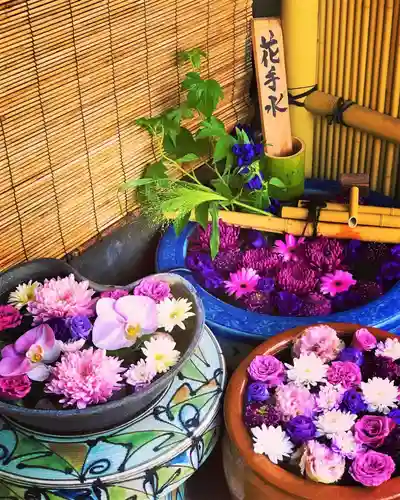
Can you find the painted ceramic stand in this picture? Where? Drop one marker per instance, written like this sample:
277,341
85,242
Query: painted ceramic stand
150,457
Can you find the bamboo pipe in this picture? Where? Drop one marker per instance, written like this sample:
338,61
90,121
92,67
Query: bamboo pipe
362,209
353,206
375,123
341,217
300,22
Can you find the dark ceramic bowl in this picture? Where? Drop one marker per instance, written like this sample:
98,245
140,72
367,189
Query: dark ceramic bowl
115,412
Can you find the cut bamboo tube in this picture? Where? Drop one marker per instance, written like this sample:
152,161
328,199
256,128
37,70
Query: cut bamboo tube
300,21
362,209
353,206
341,217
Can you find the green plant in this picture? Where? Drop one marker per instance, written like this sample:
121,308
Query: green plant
236,184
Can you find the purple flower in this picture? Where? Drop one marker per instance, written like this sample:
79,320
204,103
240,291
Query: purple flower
315,304
15,387
257,391
115,293
344,373
258,413
256,182
266,285
364,340
296,278
229,237
267,369
390,271
324,254
395,251
154,288
10,317
199,262
372,468
212,280
228,260
60,328
351,354
256,238
371,430
301,429
261,259
80,327
246,128
288,304
258,302
246,154
395,415
353,402
274,206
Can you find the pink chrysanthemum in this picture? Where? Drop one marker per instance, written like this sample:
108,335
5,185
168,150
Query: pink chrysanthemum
324,254
85,378
337,282
262,260
61,298
292,400
289,249
242,282
228,237
296,278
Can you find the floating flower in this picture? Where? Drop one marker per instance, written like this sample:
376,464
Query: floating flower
329,397
372,430
322,340
242,282
307,370
372,468
315,304
292,400
364,340
390,348
289,249
246,154
380,394
120,322
141,374
71,346
272,442
257,413
353,402
60,329
199,262
258,302
351,354
228,260
344,373
80,327
335,422
266,285
61,298
228,237
256,182
173,312
257,391
345,443
84,378
301,429
324,254
15,387
321,464
23,294
10,317
161,353
288,304
30,354
212,280
154,288
337,282
115,293
296,278
256,238
262,260
267,369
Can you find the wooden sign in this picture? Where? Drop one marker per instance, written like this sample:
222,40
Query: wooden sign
272,86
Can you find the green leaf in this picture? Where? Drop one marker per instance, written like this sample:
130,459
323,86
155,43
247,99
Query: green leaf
222,188
201,215
212,128
193,55
242,136
152,125
203,95
180,223
188,157
185,199
223,147
192,80
135,183
156,171
214,240
275,181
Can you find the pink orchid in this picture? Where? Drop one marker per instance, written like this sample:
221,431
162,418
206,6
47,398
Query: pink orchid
120,322
30,354
289,249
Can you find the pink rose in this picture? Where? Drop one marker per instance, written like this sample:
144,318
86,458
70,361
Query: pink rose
267,369
345,373
372,468
364,340
322,340
10,317
16,387
372,430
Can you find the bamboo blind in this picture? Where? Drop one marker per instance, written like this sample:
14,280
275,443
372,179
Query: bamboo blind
74,74
359,59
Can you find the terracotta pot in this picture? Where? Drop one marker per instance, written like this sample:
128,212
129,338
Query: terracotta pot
262,479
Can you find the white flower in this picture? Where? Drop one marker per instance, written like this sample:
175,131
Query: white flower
380,394
389,349
161,353
71,346
330,396
173,312
141,373
345,443
307,370
272,441
23,294
335,422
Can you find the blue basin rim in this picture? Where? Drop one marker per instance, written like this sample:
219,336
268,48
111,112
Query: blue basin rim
233,321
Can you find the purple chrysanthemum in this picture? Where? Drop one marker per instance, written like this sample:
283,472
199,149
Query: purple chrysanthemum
258,302
296,278
258,413
228,260
287,304
261,259
324,254
316,304
229,237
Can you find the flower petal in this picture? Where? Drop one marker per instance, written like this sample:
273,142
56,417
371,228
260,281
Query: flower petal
52,354
14,365
9,351
105,308
109,335
46,339
29,338
138,309
39,372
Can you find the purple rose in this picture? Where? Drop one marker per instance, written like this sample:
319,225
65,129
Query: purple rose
80,327
10,317
258,413
257,391
351,354
353,402
364,340
372,468
395,415
14,387
155,289
115,293
267,369
372,430
301,429
344,373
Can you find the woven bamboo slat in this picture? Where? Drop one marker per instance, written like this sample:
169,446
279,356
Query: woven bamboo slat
359,59
74,75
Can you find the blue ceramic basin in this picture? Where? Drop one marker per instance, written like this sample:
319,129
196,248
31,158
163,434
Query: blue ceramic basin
244,329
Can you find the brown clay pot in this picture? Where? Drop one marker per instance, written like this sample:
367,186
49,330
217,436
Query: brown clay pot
262,479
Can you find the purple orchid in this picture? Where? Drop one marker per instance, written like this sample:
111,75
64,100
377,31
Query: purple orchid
31,354
120,322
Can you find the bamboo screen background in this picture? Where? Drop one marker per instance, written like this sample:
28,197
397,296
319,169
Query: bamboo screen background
74,74
359,59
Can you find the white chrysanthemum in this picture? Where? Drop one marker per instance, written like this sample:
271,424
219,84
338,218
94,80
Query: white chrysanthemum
335,422
161,353
23,294
389,349
330,396
345,443
380,394
272,441
173,312
141,373
307,370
